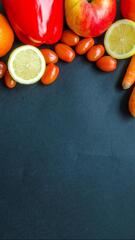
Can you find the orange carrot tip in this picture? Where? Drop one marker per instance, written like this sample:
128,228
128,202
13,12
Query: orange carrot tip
132,103
129,78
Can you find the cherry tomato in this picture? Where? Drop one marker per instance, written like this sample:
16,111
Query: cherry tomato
64,52
49,55
9,81
84,45
3,69
95,53
70,38
107,64
50,75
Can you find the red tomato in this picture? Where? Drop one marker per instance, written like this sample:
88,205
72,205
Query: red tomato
84,45
107,64
3,69
95,53
64,52
70,38
9,81
49,55
51,74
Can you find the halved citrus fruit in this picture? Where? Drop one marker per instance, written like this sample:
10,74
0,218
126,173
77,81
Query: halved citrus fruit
26,64
120,39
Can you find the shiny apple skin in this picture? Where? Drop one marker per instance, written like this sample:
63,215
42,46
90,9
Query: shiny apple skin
90,18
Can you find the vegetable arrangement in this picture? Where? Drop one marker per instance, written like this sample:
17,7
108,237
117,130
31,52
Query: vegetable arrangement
42,23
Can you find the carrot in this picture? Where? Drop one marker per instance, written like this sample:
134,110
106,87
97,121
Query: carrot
129,78
131,103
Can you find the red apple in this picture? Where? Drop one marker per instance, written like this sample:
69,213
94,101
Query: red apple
90,18
128,9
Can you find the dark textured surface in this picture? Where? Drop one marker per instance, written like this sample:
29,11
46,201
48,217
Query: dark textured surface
67,157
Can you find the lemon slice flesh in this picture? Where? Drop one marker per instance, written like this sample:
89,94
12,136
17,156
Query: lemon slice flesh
120,39
26,64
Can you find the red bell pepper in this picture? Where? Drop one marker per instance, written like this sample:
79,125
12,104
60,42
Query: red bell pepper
36,21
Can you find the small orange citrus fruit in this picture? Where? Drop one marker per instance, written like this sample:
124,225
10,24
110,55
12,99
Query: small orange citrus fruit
6,36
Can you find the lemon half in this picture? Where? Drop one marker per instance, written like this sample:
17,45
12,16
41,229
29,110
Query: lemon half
26,64
120,39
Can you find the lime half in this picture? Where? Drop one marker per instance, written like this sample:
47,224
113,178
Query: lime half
26,64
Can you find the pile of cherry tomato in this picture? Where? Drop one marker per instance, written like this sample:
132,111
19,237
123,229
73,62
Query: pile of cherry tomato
66,50
70,45
8,80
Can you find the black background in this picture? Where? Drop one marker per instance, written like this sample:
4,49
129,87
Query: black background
67,157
